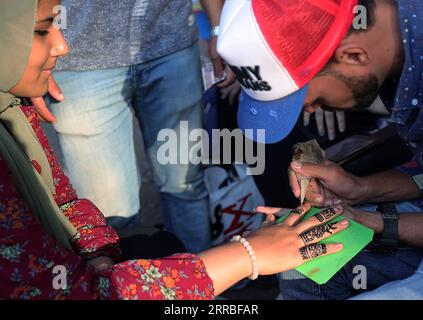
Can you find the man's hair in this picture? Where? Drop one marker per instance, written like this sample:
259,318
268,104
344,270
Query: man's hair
370,6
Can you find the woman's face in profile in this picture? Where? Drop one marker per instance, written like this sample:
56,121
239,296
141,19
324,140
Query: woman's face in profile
47,46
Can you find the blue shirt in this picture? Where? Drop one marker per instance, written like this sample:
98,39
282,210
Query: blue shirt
119,33
406,106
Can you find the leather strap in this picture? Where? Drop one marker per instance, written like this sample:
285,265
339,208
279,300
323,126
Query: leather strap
389,237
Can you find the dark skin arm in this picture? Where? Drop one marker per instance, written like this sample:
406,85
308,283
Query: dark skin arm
333,184
383,187
410,225
213,8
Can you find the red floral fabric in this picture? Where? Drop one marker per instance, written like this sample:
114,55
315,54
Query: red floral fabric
28,255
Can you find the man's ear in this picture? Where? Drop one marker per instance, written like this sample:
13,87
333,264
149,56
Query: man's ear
352,55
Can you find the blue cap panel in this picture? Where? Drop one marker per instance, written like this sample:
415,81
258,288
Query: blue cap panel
277,117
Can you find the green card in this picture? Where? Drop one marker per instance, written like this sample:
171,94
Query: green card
355,238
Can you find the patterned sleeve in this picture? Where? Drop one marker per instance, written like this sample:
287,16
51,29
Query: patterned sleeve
34,265
94,237
29,256
179,277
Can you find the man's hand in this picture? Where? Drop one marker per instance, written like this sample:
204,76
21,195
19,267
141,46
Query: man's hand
372,220
213,9
330,184
220,68
325,120
41,106
215,58
231,92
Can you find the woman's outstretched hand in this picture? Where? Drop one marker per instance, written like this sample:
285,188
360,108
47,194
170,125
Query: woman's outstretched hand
291,243
277,247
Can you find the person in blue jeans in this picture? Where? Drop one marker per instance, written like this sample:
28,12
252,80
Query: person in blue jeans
141,56
340,55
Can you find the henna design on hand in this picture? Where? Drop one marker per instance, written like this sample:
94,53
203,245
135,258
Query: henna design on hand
299,211
325,214
311,235
313,251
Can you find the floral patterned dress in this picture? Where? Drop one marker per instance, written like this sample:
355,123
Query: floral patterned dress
28,255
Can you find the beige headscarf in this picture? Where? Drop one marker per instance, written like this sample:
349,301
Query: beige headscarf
18,142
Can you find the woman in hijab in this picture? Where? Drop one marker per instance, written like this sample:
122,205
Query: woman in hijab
56,246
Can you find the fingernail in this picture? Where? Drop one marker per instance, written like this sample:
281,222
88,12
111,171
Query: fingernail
319,200
297,164
338,208
344,223
61,97
339,246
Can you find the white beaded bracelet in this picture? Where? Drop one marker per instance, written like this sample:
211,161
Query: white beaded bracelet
249,248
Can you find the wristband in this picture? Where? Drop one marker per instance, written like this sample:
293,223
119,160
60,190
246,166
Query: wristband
214,31
255,270
388,241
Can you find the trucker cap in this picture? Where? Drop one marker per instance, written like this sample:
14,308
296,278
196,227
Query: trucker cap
275,48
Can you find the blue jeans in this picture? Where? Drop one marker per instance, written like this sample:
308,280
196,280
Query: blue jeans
95,132
407,289
382,269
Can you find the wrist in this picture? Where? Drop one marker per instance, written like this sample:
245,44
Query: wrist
372,220
363,191
214,31
254,273
237,267
244,267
